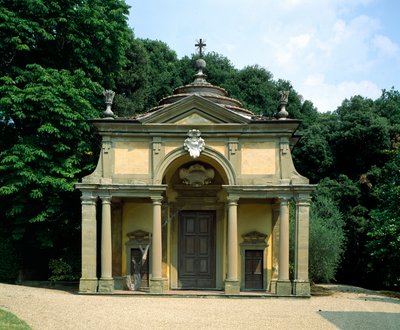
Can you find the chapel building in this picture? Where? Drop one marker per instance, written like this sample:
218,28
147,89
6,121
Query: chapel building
201,187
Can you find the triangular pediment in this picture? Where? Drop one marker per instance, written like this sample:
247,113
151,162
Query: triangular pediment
196,110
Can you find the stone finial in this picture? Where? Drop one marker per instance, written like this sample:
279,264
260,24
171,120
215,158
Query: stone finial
283,101
200,76
109,97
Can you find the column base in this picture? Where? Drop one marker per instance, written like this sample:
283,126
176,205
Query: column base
301,288
88,285
272,287
119,283
106,285
232,287
157,285
283,288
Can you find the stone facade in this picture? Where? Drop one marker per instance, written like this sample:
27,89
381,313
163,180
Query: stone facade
202,156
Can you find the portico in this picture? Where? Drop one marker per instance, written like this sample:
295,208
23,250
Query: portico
207,187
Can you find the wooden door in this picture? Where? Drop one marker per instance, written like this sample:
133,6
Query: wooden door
254,269
196,249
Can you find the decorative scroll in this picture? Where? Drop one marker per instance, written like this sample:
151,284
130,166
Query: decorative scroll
254,237
196,175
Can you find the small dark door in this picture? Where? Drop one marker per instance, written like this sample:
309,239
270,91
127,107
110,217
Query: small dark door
137,266
254,269
197,249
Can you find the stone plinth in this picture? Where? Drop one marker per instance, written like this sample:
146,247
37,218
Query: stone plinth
301,288
88,285
106,285
283,288
232,287
157,285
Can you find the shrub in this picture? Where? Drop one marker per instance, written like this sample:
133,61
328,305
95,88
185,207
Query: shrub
60,270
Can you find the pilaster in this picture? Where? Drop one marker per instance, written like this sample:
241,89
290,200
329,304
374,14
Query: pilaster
301,284
283,286
88,282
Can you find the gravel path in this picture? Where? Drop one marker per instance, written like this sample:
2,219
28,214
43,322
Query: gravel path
347,308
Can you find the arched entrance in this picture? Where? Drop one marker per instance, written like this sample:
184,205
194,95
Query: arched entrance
196,208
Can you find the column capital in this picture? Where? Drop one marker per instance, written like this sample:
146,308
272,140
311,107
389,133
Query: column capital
106,199
156,199
283,200
303,199
231,200
88,200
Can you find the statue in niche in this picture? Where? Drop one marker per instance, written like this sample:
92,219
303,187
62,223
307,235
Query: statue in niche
194,143
135,282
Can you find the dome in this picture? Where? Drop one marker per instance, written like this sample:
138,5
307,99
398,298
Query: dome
202,88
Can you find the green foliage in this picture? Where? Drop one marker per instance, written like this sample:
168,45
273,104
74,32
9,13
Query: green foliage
327,239
55,58
133,84
60,271
90,35
163,72
384,230
253,85
45,110
361,137
10,322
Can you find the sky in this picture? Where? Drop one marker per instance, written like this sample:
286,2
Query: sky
329,50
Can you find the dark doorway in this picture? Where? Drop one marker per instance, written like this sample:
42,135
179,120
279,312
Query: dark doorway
196,250
254,269
143,269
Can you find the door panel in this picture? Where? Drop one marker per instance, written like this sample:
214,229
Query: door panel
197,249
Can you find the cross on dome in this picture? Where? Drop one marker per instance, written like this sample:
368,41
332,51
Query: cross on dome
200,45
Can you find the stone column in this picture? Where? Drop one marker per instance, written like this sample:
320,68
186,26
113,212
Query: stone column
301,284
232,285
106,283
88,281
275,245
156,281
283,285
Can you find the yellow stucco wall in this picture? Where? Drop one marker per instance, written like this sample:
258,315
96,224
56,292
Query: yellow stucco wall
135,216
172,145
131,157
258,158
255,217
218,146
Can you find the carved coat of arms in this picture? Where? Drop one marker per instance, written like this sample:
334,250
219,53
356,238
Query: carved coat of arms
194,143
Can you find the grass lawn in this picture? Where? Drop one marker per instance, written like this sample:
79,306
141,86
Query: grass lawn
10,321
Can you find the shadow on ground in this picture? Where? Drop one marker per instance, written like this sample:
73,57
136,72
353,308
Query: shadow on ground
363,320
71,287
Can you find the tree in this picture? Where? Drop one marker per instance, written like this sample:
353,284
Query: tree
383,244
327,239
361,137
254,87
132,86
163,74
55,57
313,155
90,35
